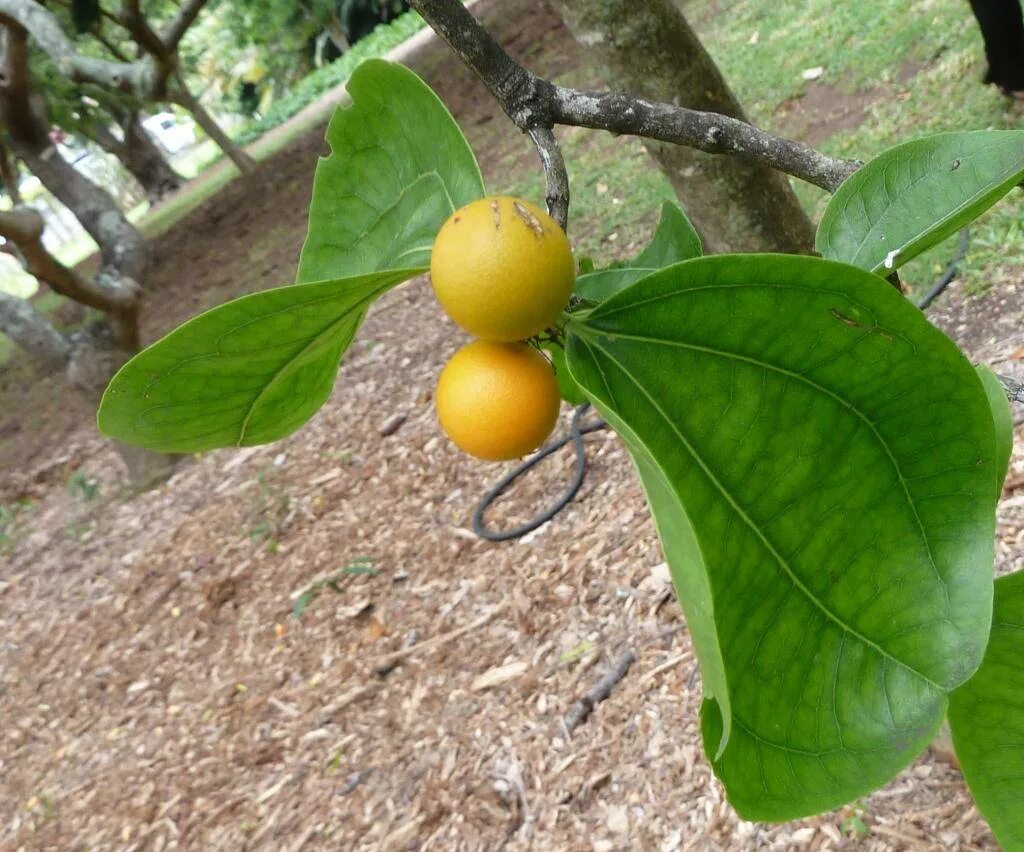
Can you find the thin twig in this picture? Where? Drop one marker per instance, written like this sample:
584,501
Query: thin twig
386,662
1014,388
581,710
140,78
555,175
532,102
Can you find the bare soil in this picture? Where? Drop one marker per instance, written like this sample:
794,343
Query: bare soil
157,692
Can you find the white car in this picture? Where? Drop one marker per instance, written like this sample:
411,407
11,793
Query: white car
172,133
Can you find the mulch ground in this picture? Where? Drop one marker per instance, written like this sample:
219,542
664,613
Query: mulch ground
157,692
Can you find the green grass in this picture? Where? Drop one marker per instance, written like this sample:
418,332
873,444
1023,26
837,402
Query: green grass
874,46
616,195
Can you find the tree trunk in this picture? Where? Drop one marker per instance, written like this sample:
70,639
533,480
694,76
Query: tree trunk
9,174
335,32
121,245
33,332
651,51
24,112
183,97
140,155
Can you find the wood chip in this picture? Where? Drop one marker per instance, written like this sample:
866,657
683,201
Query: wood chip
499,675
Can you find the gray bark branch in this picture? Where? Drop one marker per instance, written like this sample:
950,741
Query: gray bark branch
179,25
531,101
33,332
555,175
140,78
581,709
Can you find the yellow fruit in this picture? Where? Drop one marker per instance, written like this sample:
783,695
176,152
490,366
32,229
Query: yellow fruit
497,401
502,268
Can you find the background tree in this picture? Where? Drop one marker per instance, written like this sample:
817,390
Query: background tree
652,52
111,121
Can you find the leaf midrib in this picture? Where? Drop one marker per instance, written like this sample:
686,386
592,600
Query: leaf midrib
764,540
928,175
385,283
824,390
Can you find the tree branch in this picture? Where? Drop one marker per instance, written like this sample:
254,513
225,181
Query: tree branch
555,175
532,102
139,78
177,28
706,131
118,298
33,332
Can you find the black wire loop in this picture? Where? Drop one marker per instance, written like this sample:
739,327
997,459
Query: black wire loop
950,273
577,430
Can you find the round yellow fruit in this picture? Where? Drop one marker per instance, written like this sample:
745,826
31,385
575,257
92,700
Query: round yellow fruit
497,401
502,268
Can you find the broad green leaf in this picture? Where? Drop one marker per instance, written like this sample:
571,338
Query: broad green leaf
685,560
399,166
986,718
1003,419
832,455
913,196
567,388
674,240
248,372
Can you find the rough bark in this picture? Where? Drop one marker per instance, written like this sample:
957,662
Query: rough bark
183,97
34,333
9,174
141,156
651,51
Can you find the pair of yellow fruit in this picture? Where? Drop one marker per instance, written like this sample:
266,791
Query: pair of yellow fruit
502,269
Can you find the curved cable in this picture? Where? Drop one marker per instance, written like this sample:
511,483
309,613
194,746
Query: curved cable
577,430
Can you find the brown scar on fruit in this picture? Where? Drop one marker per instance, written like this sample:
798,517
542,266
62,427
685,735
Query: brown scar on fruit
844,319
531,221
496,212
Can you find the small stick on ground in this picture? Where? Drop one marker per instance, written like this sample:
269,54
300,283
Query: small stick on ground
581,710
388,661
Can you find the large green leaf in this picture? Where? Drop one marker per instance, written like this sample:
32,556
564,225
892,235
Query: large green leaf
685,559
833,454
248,372
399,166
674,240
913,196
986,718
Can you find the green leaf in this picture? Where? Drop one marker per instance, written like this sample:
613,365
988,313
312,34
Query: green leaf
913,196
674,240
820,461
1003,419
399,166
686,564
301,602
248,372
986,718
567,388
